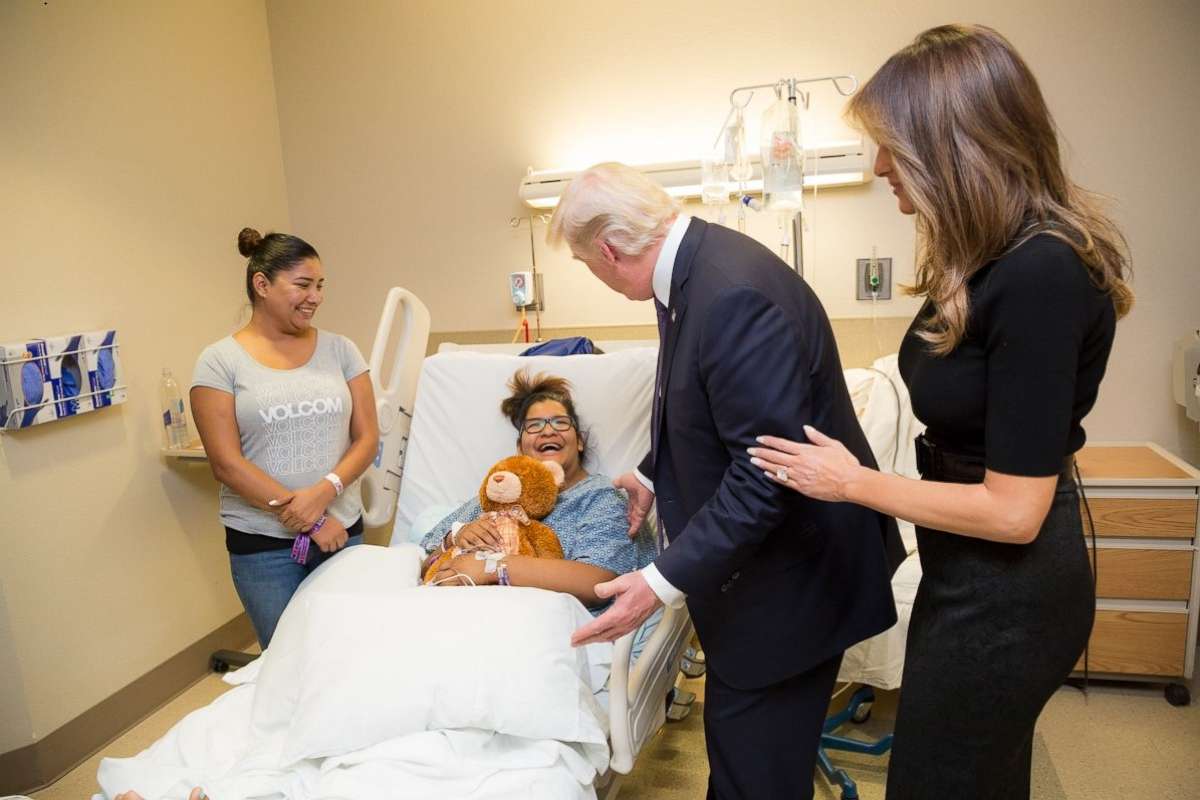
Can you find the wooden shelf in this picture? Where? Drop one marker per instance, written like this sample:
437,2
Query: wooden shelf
193,451
1145,512
1133,464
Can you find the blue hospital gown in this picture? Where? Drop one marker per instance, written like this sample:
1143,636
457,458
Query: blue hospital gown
589,519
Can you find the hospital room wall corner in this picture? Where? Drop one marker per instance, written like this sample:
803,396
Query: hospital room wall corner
121,207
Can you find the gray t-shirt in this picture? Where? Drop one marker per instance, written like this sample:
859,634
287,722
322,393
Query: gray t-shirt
294,423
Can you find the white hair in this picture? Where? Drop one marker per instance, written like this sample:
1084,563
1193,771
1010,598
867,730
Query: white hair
611,203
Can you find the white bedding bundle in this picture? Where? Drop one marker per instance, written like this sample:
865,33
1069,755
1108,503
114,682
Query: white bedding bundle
376,688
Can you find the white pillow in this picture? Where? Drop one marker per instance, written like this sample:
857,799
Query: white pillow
355,662
458,432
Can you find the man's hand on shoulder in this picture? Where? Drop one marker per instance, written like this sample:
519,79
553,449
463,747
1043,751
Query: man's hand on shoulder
640,500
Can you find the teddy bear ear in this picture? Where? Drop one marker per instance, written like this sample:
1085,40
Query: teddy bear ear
556,470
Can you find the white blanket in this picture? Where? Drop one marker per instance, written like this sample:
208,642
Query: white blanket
355,700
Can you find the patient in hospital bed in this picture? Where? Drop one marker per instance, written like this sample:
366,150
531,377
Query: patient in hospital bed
589,518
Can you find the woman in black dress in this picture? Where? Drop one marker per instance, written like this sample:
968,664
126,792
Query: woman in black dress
1023,280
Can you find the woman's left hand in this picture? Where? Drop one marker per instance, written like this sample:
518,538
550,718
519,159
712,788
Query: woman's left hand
464,570
820,470
332,536
307,506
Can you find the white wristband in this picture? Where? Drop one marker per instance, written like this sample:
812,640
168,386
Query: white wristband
337,483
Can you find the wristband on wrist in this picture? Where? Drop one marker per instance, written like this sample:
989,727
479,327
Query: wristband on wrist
337,483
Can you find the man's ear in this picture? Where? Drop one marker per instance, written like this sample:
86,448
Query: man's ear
607,252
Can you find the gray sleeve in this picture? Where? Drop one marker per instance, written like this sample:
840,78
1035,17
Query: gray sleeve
213,370
351,360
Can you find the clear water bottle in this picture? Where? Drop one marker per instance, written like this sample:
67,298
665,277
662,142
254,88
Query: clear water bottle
175,430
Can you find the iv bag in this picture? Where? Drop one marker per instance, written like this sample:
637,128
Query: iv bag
714,179
782,158
740,168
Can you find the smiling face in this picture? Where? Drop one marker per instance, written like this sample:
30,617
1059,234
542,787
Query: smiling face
291,300
549,444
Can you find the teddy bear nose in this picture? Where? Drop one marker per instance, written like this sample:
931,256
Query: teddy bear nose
498,478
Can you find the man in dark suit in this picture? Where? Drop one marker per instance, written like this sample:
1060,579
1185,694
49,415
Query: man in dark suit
778,585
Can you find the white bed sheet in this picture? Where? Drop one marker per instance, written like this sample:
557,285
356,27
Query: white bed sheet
245,744
879,661
884,410
213,747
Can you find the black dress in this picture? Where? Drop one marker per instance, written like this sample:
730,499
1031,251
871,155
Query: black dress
996,628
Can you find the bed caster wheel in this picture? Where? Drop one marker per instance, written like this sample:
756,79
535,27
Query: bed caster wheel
1177,694
862,713
678,712
224,660
683,697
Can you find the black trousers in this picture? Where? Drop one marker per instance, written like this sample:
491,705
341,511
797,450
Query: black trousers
762,743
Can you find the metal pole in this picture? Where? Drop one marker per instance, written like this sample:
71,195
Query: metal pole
797,244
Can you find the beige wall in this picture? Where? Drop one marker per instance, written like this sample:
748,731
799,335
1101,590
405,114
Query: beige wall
407,126
136,139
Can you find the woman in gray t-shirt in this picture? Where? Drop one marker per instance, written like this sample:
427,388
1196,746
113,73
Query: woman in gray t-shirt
287,416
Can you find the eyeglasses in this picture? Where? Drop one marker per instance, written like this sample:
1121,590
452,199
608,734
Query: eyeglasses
538,424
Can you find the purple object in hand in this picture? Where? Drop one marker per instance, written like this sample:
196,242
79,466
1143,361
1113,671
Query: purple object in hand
300,546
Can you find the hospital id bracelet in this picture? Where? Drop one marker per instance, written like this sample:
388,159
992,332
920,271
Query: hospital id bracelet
301,544
337,483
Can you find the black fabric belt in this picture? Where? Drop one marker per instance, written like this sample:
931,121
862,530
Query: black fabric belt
936,463
241,543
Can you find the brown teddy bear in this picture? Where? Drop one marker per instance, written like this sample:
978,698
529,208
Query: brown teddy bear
518,492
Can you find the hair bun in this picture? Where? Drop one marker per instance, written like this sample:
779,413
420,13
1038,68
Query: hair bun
248,241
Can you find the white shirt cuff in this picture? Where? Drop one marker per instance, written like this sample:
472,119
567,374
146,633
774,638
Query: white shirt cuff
643,480
668,594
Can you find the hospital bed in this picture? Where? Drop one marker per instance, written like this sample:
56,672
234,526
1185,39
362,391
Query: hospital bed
457,432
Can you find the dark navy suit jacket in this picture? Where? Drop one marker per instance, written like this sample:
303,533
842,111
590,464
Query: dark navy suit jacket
776,583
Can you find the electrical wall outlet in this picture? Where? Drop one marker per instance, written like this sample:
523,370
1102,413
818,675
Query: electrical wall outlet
873,278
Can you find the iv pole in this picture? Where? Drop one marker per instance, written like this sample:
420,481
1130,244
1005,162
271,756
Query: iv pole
795,97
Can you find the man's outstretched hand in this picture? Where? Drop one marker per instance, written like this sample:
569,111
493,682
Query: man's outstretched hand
635,601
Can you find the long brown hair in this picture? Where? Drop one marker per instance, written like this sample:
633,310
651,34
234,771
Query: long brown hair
977,152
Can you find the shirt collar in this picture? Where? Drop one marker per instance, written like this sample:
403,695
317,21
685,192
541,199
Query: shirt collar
665,266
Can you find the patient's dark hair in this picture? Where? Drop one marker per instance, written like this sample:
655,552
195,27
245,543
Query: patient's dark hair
527,390
271,255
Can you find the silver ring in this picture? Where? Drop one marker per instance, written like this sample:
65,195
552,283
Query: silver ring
782,474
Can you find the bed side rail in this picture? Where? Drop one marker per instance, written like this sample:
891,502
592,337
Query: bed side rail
637,698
